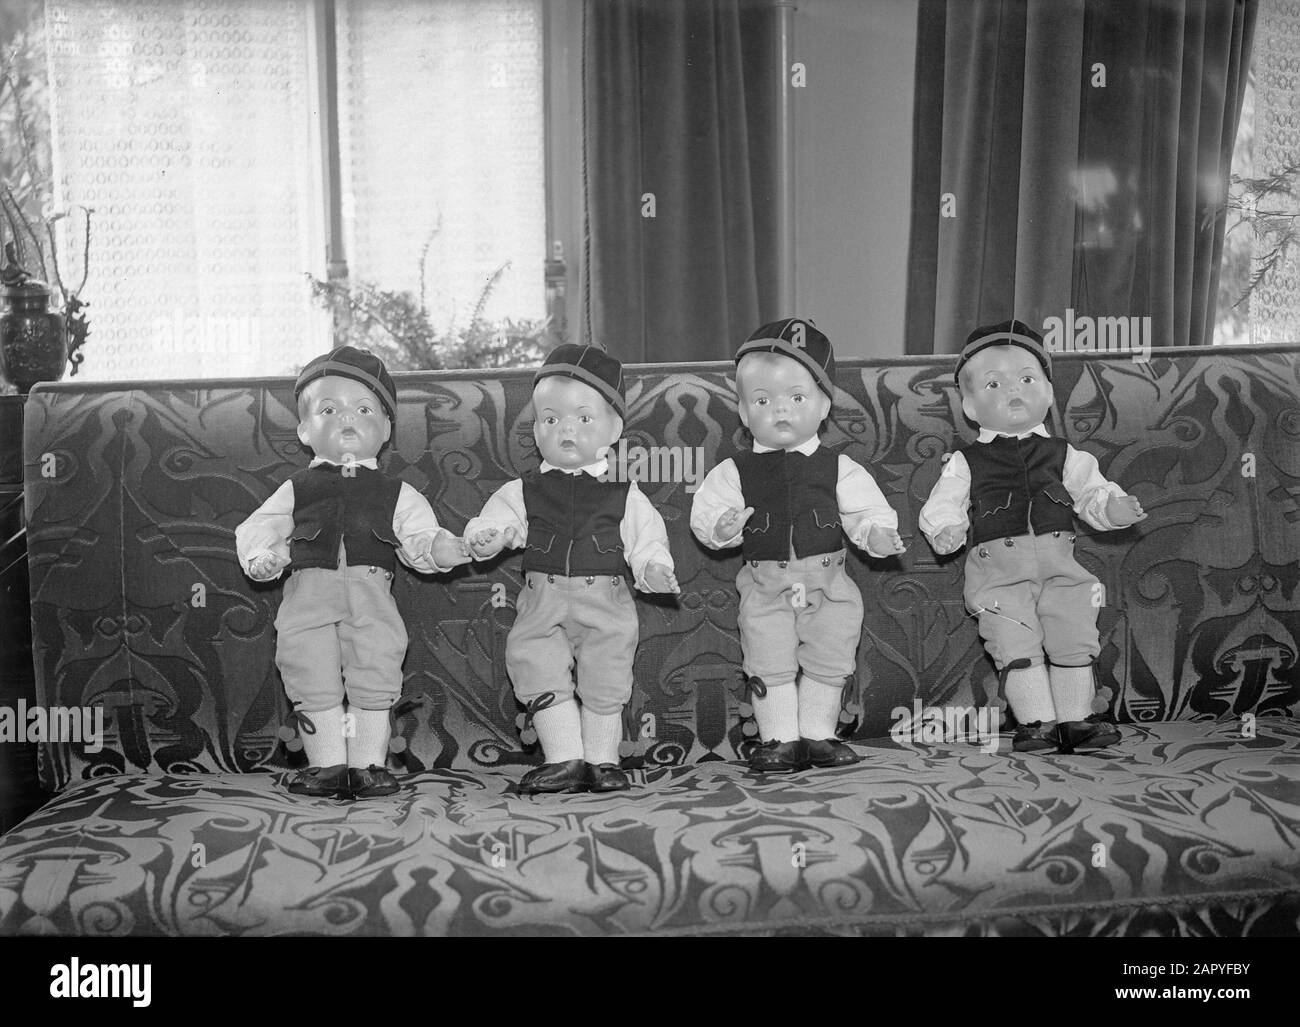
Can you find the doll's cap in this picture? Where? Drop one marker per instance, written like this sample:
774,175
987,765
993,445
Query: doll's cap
592,366
359,365
1006,333
799,340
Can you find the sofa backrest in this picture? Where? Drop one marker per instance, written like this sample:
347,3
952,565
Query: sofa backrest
133,492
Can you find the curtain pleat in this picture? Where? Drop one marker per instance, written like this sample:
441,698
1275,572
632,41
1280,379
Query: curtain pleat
679,115
1100,197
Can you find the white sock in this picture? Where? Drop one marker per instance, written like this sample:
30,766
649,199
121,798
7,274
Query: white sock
369,746
777,713
1072,692
819,708
601,733
326,746
559,729
1030,696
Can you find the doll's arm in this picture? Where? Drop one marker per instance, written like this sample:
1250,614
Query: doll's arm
948,502
645,543
502,524
868,519
1098,501
719,495
423,540
264,536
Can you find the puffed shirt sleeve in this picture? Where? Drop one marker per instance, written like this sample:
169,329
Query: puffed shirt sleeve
862,505
719,492
413,517
645,538
504,509
267,530
1089,489
949,499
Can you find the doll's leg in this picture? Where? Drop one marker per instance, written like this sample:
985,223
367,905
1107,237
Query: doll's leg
1000,587
829,626
539,660
372,643
1067,609
307,654
769,645
603,627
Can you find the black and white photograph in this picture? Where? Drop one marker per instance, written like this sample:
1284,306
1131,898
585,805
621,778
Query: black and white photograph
650,469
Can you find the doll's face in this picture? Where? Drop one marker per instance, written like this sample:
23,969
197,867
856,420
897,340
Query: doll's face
1004,389
342,420
779,401
574,422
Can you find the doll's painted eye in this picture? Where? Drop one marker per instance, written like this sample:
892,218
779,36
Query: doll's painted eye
550,421
798,397
364,408
991,385
585,418
328,408
761,401
1028,379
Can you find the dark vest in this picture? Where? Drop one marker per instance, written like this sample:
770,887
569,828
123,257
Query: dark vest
1017,487
356,509
794,501
573,524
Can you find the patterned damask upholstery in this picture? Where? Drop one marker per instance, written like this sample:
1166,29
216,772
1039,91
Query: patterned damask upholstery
139,606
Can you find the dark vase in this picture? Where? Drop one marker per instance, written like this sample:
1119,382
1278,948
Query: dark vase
33,339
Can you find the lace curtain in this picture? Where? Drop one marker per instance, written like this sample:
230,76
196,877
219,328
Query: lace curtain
1275,306
190,127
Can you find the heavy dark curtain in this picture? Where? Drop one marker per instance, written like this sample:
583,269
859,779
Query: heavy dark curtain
679,101
1105,199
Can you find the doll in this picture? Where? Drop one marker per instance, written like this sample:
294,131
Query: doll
580,530
1034,602
788,504
340,524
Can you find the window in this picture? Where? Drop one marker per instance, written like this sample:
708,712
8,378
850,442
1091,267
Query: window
194,130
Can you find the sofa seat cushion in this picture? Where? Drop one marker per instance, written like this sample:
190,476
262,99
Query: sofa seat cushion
1187,828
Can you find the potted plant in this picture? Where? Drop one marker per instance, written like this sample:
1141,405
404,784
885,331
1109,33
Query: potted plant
42,322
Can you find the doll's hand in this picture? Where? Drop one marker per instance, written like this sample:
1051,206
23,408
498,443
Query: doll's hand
449,551
730,523
1122,511
660,578
487,542
885,540
949,540
266,566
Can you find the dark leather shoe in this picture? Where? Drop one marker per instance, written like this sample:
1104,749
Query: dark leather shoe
322,782
1093,733
607,778
371,782
778,757
829,752
570,776
1033,737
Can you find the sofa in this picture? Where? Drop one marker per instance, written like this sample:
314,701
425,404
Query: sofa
179,824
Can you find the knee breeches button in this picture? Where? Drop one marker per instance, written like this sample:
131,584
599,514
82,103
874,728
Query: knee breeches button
1010,543
753,563
591,579
984,553
551,578
783,564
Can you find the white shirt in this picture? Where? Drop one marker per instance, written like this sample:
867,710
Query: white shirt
862,504
268,528
645,539
950,497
